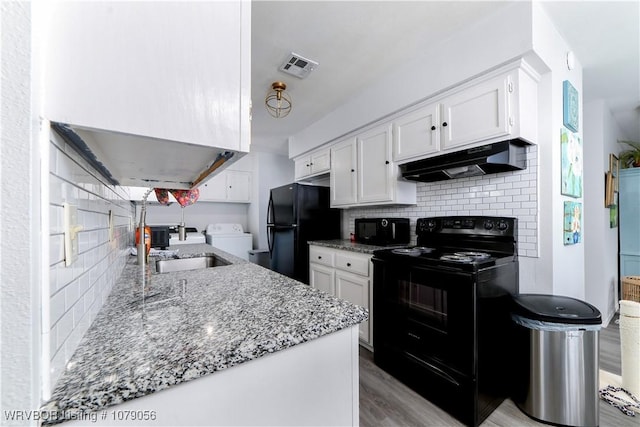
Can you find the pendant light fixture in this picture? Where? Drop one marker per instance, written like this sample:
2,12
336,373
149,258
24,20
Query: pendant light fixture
278,102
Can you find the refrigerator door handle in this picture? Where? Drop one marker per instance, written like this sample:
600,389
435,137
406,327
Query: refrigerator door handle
269,222
270,213
269,242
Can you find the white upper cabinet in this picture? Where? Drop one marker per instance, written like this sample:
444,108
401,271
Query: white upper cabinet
499,105
158,74
312,165
417,133
228,186
343,177
363,173
476,114
375,168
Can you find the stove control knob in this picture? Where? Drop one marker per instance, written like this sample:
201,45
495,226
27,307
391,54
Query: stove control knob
384,222
488,225
431,224
503,225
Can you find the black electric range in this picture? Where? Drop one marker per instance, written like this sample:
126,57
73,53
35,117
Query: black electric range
441,311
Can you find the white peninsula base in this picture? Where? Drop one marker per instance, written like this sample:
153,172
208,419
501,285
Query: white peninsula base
313,383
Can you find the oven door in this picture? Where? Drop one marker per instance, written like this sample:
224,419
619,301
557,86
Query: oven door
427,314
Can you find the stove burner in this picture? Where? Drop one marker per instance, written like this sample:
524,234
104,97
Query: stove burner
407,251
424,249
457,258
477,256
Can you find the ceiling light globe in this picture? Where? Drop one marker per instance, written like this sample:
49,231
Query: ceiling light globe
278,102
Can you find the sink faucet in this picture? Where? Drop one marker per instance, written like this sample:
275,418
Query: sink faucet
142,249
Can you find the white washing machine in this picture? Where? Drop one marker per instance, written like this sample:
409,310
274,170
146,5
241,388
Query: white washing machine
230,238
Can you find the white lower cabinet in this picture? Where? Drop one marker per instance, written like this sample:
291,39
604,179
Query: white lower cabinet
322,278
347,275
355,289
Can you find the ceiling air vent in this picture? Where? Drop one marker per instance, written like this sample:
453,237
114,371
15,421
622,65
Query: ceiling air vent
298,65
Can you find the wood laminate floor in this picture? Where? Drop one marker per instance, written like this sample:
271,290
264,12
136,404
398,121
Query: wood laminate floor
384,401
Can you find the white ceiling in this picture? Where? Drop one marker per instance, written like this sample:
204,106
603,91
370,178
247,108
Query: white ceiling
358,42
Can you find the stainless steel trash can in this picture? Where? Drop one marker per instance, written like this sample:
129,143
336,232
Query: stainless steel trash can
556,378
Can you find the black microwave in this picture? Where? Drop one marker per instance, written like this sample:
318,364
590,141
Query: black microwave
383,231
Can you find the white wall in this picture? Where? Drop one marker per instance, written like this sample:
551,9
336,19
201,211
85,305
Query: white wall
270,170
601,249
493,41
559,269
77,292
20,239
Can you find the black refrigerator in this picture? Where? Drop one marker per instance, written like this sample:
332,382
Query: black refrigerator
296,214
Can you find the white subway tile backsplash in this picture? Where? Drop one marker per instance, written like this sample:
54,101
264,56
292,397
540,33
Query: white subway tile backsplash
56,249
56,307
507,194
71,293
64,326
78,291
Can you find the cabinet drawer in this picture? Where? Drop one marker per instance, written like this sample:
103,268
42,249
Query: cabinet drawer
321,255
353,263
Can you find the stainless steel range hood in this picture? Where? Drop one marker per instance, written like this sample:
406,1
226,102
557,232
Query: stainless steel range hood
492,158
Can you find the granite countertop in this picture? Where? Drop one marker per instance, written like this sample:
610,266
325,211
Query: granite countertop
348,245
189,324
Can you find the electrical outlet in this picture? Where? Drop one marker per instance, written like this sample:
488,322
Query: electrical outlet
71,229
110,225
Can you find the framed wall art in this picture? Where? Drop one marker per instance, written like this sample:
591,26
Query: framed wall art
571,160
570,106
614,168
613,213
572,223
611,181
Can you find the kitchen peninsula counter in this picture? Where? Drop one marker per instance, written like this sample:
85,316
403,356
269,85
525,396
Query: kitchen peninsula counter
190,324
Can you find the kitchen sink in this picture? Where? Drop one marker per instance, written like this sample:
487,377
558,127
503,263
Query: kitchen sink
182,264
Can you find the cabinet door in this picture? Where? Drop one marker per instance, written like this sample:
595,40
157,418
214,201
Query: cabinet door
417,133
215,189
629,203
343,173
374,165
322,278
148,69
238,186
320,162
476,114
354,289
302,167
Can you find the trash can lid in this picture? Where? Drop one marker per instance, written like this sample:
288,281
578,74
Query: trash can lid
556,309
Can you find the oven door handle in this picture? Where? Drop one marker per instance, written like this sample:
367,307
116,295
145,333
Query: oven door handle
434,368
